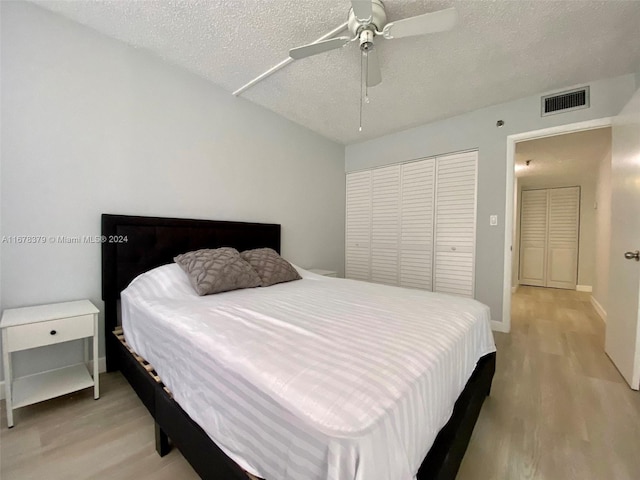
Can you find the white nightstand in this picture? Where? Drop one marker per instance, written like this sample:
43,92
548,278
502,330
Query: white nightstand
324,273
32,327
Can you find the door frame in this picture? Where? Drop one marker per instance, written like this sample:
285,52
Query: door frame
512,140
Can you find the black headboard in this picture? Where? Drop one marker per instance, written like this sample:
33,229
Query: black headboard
133,245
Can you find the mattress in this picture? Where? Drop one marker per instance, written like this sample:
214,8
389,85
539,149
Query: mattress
315,379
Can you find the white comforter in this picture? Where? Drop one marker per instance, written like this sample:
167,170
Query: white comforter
316,379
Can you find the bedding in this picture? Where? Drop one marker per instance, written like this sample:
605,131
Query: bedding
217,270
316,379
270,266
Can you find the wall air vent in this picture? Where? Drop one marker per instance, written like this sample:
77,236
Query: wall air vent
565,101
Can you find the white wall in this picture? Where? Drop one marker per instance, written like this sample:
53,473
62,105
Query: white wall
91,125
477,129
603,232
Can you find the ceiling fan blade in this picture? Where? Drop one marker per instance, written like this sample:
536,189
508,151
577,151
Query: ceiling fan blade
319,47
422,24
374,75
362,9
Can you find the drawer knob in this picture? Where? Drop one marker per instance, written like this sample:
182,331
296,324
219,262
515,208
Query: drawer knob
53,332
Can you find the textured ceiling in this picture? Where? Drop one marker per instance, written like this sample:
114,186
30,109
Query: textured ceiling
569,157
499,51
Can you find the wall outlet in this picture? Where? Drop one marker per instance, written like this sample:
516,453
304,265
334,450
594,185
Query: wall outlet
493,220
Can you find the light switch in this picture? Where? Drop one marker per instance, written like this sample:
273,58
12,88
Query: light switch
493,220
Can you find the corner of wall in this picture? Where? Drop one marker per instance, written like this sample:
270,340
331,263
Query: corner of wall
501,327
598,308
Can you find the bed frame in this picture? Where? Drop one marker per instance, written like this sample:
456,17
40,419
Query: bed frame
133,245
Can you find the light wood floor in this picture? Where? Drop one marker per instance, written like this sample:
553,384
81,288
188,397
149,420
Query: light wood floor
558,410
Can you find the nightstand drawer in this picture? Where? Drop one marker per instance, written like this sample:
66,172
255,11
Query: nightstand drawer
39,334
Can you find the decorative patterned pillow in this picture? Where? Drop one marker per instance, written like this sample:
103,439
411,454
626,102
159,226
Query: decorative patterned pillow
271,267
217,270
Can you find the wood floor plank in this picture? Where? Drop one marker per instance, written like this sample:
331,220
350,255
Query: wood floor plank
558,409
558,406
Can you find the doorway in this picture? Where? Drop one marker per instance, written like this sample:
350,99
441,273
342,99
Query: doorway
561,202
513,197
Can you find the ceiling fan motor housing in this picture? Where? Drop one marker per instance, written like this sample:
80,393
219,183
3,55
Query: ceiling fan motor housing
377,22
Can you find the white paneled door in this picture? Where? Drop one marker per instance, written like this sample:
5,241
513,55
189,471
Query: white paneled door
413,224
622,341
533,238
549,231
416,224
563,231
385,224
358,226
455,224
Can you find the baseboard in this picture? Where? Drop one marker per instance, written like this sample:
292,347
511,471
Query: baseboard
514,289
497,326
102,367
599,309
584,288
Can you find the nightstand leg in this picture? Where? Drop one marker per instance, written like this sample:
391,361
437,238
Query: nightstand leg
8,378
86,351
96,374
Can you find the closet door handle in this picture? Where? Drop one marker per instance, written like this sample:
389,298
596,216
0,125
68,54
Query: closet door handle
633,255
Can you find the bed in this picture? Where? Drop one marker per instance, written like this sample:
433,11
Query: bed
135,245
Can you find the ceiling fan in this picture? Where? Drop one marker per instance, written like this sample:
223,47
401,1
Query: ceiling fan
367,19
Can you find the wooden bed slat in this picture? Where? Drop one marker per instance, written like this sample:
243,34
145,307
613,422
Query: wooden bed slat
146,365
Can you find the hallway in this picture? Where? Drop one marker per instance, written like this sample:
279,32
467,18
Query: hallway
558,409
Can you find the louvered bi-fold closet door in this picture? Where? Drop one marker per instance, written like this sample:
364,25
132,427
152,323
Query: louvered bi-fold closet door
562,244
533,238
358,226
416,224
385,224
455,220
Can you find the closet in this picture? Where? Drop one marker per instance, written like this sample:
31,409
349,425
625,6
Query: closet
549,229
413,224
